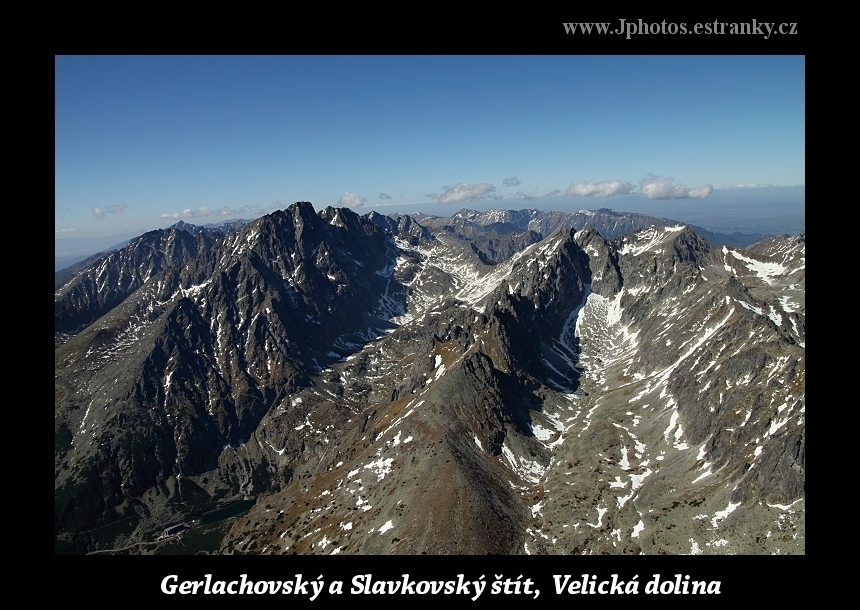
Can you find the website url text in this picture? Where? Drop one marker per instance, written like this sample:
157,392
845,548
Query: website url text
631,28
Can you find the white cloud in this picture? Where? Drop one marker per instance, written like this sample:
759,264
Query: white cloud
350,200
466,192
186,213
700,192
657,187
384,196
525,196
599,189
117,208
512,181
253,209
553,192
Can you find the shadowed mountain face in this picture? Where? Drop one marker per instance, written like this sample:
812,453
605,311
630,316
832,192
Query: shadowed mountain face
383,385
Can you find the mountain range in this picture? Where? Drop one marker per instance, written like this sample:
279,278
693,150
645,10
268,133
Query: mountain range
504,382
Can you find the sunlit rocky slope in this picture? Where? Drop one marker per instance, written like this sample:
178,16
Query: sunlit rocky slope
419,385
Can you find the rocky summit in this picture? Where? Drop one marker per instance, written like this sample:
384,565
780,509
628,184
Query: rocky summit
506,382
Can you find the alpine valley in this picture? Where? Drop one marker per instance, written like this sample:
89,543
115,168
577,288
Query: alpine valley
502,382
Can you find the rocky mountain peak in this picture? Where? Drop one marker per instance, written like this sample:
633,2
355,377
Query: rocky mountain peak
378,384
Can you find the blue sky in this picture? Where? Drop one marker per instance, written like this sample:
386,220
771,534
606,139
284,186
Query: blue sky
142,142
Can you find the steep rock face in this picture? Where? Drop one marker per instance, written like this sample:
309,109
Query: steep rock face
97,290
376,387
64,276
495,247
422,489
451,434
693,406
784,248
166,386
402,225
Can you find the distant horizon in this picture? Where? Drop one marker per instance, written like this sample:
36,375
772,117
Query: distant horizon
768,210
